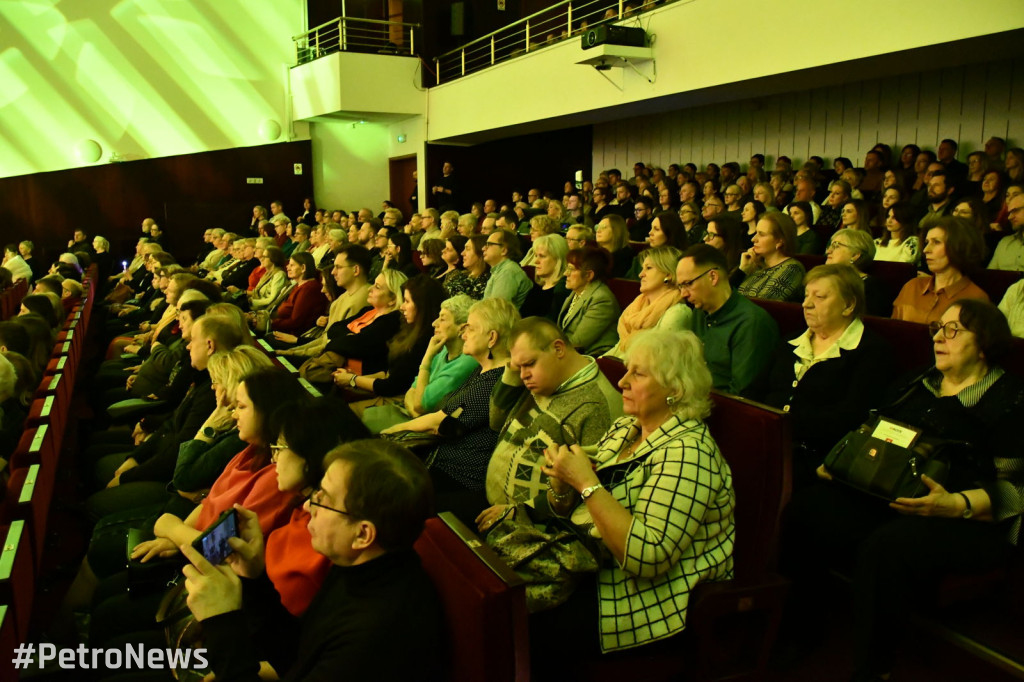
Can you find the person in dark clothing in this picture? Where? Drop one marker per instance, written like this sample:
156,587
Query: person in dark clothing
371,506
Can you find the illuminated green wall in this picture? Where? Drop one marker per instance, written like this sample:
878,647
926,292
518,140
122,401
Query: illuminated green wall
142,78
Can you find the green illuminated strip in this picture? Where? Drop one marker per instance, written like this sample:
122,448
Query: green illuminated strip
10,548
29,487
37,440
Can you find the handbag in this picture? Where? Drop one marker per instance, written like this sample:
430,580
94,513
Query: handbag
548,560
419,442
181,630
320,370
886,468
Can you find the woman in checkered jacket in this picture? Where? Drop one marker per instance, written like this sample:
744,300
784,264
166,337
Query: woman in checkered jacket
657,497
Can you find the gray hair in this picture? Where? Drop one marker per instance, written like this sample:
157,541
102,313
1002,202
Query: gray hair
8,379
498,315
338,235
861,242
458,306
69,258
103,242
217,232
675,360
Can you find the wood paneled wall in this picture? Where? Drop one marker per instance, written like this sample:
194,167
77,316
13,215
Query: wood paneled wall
184,194
969,104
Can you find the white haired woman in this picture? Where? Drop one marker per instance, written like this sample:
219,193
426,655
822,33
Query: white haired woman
657,497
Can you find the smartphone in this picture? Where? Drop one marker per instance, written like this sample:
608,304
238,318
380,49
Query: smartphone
213,543
124,265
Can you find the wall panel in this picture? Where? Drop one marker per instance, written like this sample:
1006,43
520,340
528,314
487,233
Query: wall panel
966,103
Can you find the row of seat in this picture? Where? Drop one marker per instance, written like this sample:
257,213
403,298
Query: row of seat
33,476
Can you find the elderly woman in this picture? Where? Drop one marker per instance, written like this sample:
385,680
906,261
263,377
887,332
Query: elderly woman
898,243
472,278
660,527
952,249
612,236
767,269
548,293
659,305
443,369
830,375
856,248
274,282
965,524
590,314
458,465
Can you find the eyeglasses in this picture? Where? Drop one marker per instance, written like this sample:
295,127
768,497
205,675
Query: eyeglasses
686,284
711,235
275,451
835,245
949,329
314,501
498,244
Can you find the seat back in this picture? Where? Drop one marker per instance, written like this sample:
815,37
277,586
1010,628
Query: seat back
756,442
625,290
893,275
17,581
8,641
484,603
996,282
613,370
28,496
789,316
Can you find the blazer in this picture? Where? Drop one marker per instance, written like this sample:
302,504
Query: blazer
593,324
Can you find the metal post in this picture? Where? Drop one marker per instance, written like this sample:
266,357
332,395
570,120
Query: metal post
527,36
569,20
316,44
412,39
620,10
437,69
463,53
492,50
342,30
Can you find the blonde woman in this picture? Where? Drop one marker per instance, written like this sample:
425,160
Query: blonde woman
540,225
659,305
549,291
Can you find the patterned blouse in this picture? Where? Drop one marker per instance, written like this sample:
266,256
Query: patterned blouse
781,282
460,282
465,458
678,487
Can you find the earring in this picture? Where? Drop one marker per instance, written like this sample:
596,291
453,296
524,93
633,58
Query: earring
490,355
670,401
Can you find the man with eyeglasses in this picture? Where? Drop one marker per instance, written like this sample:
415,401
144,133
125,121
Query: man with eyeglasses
712,207
578,236
375,617
739,337
1009,254
642,210
507,281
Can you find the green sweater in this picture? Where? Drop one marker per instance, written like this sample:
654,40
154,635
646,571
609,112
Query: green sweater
739,341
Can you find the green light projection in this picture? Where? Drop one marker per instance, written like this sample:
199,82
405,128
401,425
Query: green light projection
143,78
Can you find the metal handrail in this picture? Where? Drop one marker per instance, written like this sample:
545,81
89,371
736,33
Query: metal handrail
561,21
355,34
365,21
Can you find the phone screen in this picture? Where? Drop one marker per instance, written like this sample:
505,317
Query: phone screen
213,543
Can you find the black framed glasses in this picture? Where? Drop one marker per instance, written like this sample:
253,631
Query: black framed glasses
687,283
949,329
314,501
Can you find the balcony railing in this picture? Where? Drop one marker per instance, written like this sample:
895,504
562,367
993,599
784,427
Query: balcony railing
563,21
348,34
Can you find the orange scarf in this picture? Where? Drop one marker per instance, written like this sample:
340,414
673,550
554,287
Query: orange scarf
363,321
644,313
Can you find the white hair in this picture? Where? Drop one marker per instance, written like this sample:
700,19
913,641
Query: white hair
675,360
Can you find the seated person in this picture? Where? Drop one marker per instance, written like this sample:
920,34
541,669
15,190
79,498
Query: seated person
470,279
12,413
458,465
660,528
898,242
952,250
443,369
768,269
549,292
548,395
856,248
396,605
421,302
305,302
273,283
666,230
1009,253
739,336
966,398
507,280
612,236
659,305
590,314
832,374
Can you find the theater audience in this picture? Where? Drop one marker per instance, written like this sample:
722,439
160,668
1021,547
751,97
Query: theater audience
589,315
666,230
661,530
432,258
612,236
738,336
966,398
767,269
952,250
19,269
1009,254
659,305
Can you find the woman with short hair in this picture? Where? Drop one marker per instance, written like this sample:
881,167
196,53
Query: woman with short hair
767,269
952,250
590,314
660,528
272,284
856,248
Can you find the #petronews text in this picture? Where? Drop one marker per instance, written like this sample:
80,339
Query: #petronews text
132,657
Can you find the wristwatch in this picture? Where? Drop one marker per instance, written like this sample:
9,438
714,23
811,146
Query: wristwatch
968,512
209,432
590,490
